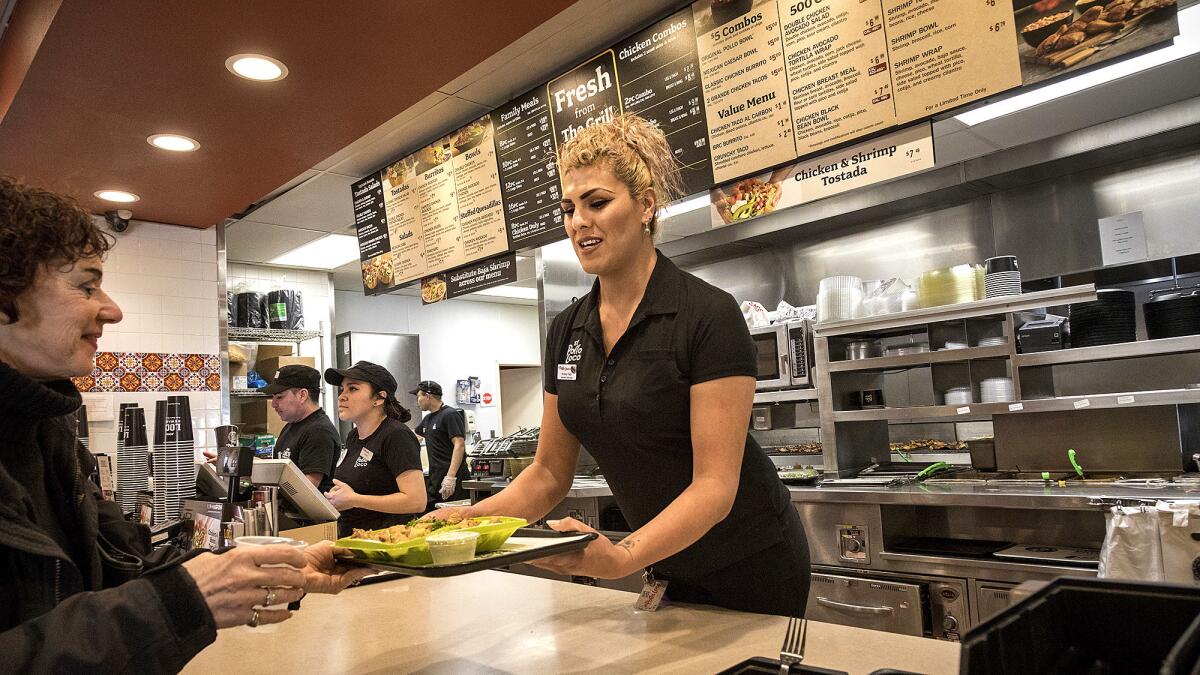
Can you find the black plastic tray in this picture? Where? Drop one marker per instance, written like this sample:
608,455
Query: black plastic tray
760,664
492,560
969,548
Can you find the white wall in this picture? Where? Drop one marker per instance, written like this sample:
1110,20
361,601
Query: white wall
459,339
522,398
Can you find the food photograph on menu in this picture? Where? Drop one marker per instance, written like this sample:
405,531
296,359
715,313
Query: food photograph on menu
748,198
1057,36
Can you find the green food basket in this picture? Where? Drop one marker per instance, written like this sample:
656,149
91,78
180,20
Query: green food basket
416,551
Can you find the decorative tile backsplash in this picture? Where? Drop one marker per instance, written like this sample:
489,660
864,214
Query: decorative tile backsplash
138,371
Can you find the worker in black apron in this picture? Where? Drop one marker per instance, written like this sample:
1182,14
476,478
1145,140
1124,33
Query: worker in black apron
653,372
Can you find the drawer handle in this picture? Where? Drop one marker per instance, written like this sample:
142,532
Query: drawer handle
855,609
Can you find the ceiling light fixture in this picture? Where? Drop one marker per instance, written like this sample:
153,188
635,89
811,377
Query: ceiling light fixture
1186,44
120,196
256,67
325,253
173,142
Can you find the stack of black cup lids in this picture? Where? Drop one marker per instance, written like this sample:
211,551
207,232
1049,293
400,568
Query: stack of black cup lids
1001,276
1111,319
1173,314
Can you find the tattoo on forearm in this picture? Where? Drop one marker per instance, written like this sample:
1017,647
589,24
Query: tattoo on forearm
627,544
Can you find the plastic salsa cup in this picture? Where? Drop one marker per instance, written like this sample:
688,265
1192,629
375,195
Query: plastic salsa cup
452,547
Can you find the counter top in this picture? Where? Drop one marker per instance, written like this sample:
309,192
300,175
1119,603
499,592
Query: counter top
581,488
496,622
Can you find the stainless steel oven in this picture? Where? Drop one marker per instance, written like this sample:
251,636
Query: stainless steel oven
898,603
785,355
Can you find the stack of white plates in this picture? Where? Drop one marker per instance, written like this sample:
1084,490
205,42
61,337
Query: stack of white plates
132,461
905,350
958,396
997,390
839,298
1001,276
994,341
954,345
174,462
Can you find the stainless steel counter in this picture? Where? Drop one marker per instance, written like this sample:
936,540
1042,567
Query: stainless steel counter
1088,497
581,488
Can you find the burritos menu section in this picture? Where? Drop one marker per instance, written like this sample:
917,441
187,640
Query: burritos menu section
739,87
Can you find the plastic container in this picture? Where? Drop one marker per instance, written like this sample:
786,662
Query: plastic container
416,551
452,547
1080,625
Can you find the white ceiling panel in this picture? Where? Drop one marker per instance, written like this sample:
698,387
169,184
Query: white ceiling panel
321,203
254,242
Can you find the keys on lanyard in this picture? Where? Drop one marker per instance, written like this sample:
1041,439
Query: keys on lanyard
653,593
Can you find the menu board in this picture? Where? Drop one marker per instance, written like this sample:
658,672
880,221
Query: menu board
837,70
945,53
745,87
527,171
371,226
660,81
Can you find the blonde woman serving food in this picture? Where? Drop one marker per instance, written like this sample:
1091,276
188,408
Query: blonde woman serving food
378,480
653,372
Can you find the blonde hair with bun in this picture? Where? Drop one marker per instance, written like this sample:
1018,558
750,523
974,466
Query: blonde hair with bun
635,150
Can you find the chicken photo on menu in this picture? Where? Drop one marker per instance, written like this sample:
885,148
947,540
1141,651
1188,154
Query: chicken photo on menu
839,78
405,232
745,86
747,198
1058,36
945,53
477,188
589,94
438,206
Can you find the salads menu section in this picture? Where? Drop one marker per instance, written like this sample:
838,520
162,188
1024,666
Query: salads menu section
741,88
660,81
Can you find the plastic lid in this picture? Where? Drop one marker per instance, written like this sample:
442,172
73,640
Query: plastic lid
451,538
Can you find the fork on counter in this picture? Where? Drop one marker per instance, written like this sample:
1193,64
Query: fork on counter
792,651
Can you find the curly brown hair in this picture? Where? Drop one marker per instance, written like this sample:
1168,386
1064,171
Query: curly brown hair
39,228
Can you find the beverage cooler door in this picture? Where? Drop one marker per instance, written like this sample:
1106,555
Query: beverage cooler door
895,607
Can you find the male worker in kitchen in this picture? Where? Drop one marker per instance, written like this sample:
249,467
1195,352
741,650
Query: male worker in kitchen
444,431
309,439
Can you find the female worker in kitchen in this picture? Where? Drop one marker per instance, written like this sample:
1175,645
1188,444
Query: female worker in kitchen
378,481
653,372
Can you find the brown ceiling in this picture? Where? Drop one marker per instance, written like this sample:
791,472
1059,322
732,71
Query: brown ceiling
107,75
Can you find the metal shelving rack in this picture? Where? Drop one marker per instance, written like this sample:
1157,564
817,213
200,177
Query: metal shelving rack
271,335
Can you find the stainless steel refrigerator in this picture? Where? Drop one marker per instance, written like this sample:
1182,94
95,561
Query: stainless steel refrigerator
400,354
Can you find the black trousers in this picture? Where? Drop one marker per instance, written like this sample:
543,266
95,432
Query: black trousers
772,581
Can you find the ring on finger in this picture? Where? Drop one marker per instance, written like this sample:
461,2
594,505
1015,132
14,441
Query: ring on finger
270,598
253,622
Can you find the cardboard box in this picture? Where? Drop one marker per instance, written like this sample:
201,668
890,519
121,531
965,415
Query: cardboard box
258,415
271,351
269,366
238,373
313,533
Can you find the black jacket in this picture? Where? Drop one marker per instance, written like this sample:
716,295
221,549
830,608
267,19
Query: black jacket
56,614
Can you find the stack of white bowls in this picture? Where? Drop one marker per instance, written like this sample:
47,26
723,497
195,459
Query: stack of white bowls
839,298
997,390
994,341
959,396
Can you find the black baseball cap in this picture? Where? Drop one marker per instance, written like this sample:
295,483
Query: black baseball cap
366,372
429,387
293,377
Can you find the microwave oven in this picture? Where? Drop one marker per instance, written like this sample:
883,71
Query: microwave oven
784,355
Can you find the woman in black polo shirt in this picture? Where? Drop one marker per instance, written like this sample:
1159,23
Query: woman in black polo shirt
653,372
378,480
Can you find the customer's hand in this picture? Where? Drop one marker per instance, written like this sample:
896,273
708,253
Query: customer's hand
448,485
452,513
210,456
342,496
325,574
235,583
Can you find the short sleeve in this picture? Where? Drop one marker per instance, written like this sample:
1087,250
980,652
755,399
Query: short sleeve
401,451
318,451
455,427
554,338
721,344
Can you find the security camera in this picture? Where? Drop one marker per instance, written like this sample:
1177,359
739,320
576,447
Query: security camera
118,221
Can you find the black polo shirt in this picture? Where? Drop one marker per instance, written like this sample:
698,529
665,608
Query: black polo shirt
371,466
631,409
439,429
312,444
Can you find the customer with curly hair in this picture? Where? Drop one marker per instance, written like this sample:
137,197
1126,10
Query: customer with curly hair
62,607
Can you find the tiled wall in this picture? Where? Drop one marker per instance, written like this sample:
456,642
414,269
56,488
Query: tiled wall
165,280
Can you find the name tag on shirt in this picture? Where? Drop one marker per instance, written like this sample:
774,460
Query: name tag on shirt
566,371
366,454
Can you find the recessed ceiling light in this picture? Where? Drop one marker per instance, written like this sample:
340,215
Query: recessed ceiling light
256,67
326,253
173,142
116,196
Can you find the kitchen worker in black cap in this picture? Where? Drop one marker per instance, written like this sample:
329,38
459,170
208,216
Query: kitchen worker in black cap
444,431
378,481
309,439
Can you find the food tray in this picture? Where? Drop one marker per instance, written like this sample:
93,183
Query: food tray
761,664
416,551
527,544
